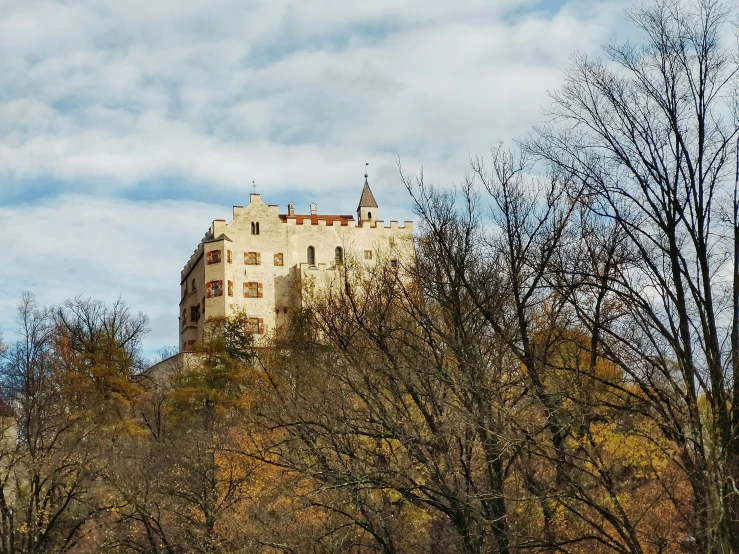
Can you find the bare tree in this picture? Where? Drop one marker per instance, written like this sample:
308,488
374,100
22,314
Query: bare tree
44,499
395,402
650,139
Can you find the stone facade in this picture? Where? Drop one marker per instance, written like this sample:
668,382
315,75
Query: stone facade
258,262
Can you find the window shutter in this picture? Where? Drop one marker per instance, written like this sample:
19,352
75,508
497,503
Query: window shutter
209,289
220,287
259,259
259,290
229,255
209,257
230,288
261,324
246,290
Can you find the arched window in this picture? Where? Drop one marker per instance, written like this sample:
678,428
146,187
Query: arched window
257,227
311,255
339,255
369,215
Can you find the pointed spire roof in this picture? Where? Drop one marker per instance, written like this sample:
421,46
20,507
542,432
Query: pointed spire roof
367,200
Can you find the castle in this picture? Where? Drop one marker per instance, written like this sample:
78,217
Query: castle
258,262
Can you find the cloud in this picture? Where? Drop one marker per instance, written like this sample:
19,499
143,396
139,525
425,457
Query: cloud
126,127
101,97
104,249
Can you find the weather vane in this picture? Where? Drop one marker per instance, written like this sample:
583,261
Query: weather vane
365,169
254,185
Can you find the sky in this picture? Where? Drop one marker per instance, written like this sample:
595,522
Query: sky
126,127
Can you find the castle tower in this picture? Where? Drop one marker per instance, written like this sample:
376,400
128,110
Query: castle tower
367,209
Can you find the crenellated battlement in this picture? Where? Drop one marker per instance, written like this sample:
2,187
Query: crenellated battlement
194,257
334,221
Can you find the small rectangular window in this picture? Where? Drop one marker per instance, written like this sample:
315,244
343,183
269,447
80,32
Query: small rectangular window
252,290
394,264
213,289
252,258
255,325
230,288
213,257
279,259
194,313
184,317
229,257
368,254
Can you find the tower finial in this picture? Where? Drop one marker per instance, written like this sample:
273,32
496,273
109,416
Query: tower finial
254,186
365,171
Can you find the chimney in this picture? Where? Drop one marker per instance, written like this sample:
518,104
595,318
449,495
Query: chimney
291,209
313,208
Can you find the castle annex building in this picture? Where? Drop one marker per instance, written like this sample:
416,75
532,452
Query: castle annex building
258,262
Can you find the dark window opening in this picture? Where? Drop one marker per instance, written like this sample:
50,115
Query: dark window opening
214,288
213,257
